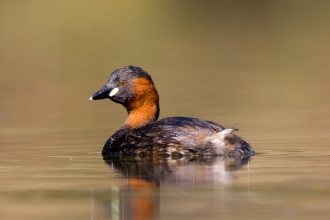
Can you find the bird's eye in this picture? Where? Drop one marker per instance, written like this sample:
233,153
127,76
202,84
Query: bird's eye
122,82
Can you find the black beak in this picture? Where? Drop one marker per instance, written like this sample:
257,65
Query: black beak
101,94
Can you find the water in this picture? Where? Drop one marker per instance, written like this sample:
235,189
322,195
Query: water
262,67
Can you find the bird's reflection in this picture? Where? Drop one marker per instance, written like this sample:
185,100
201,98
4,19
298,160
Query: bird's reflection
140,198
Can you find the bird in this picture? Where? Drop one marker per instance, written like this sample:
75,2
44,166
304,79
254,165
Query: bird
143,134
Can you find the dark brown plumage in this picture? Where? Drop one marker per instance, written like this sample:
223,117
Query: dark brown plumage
143,134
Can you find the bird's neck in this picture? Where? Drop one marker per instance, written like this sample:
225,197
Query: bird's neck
144,108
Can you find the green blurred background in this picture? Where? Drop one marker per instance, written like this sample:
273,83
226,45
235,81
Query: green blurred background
213,59
259,65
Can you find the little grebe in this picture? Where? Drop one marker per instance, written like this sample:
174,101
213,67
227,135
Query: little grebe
143,134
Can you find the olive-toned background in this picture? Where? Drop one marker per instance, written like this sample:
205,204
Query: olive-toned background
261,66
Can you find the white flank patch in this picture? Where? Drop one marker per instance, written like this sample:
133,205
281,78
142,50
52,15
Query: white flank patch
113,92
218,138
226,131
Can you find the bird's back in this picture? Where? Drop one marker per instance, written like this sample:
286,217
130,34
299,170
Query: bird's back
174,135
